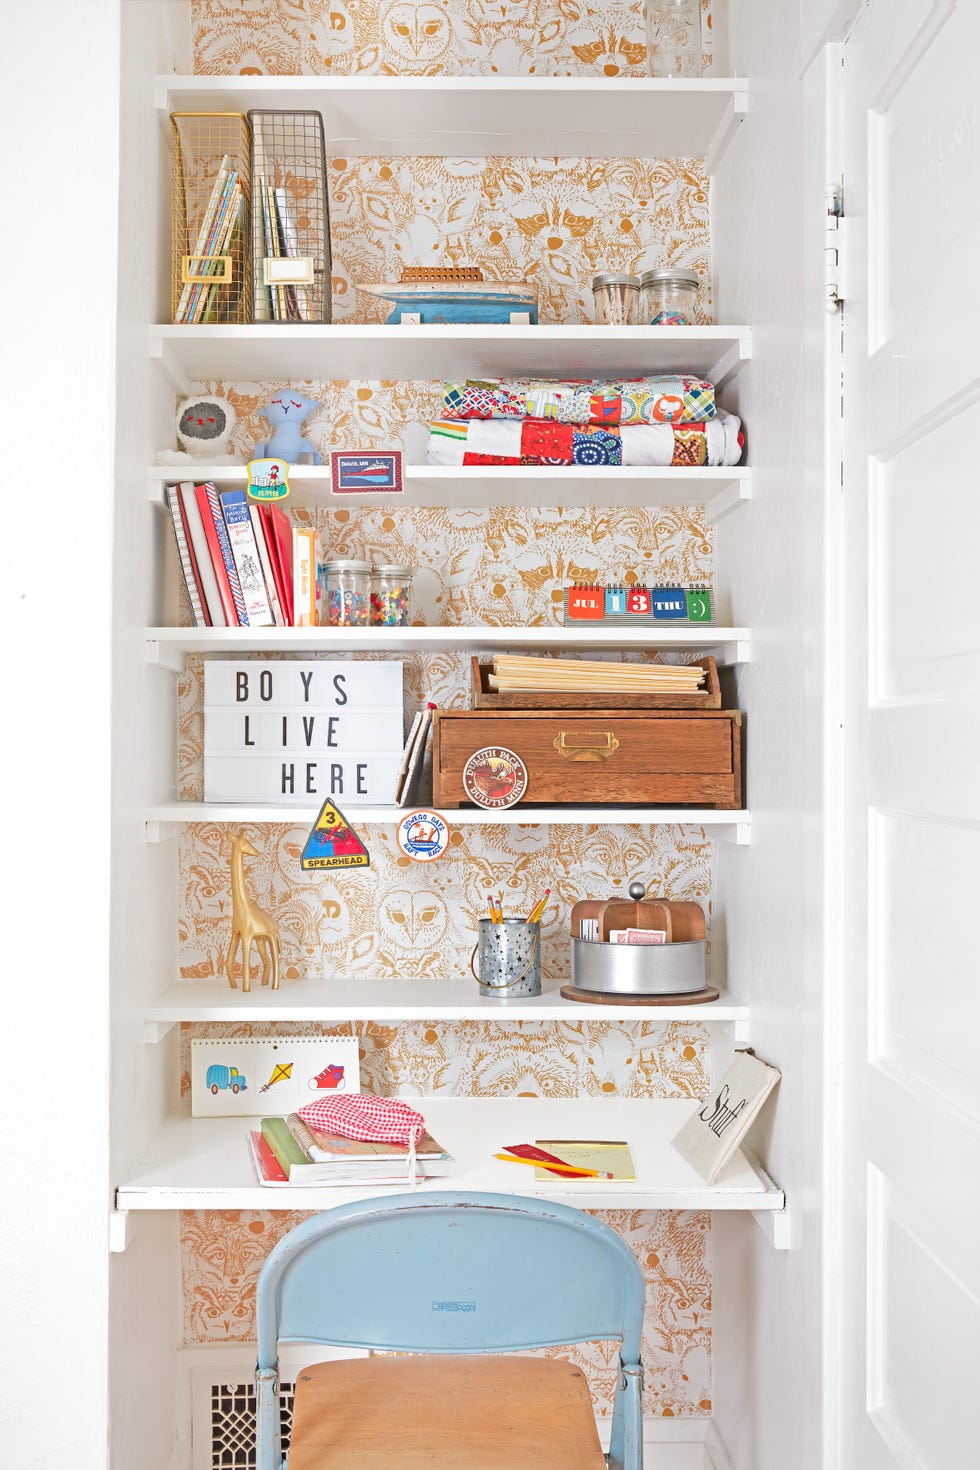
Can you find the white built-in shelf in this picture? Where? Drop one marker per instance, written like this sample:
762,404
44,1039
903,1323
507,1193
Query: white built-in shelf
479,117
168,646
365,997
719,490
160,820
339,353
203,1163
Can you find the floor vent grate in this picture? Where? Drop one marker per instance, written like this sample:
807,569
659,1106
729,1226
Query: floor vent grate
233,1424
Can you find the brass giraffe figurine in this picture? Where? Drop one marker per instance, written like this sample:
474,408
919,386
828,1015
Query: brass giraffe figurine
250,924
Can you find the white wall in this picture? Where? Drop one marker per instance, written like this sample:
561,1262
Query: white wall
60,127
767,214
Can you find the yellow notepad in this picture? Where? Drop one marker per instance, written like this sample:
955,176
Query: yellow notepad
607,1155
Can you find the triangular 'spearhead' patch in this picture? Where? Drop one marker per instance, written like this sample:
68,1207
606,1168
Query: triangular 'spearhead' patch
333,843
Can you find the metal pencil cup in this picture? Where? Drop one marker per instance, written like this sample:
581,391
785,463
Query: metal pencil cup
509,958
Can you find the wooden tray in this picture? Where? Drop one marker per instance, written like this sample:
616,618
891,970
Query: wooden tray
483,697
610,998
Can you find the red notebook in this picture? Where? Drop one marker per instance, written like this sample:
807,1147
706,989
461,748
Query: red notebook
214,545
267,1166
265,515
281,545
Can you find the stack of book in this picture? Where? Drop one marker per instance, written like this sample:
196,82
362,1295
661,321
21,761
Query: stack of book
243,565
221,224
286,1152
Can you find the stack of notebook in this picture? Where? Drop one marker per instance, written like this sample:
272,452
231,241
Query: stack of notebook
285,1152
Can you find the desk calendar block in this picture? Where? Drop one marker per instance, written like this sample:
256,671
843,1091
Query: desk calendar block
637,606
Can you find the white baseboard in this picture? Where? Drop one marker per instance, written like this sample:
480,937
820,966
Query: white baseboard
669,1444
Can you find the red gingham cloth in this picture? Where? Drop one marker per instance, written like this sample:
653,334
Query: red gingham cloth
364,1116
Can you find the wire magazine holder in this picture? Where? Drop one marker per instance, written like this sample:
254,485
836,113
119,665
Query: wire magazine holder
211,245
290,218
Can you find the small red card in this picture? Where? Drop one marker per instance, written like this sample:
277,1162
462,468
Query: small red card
586,603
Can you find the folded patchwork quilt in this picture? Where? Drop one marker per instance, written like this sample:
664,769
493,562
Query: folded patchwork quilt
677,399
544,442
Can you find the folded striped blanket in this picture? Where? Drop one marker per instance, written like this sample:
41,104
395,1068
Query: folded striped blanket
544,442
677,399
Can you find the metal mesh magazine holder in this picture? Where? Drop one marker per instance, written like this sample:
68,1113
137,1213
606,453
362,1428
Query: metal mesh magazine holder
290,218
211,269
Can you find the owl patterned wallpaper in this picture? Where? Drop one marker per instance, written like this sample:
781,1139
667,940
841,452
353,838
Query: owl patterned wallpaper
407,38
554,222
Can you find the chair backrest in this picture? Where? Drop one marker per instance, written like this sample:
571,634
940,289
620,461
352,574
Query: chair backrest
450,1272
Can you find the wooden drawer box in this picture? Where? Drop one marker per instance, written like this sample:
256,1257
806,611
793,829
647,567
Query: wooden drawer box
673,757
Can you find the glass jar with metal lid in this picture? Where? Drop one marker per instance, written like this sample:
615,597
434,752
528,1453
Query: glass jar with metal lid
668,298
617,299
346,587
391,591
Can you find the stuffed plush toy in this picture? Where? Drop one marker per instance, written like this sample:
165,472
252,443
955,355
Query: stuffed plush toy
204,427
286,413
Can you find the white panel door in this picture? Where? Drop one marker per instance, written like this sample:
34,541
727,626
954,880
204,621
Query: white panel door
908,1310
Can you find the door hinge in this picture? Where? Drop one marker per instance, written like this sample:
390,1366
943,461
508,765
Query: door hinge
834,232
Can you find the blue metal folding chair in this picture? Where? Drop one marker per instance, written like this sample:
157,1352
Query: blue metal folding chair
450,1274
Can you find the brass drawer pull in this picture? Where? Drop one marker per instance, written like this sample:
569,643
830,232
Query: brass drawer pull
587,747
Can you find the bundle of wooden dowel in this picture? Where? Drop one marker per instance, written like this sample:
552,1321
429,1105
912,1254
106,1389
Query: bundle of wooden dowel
513,674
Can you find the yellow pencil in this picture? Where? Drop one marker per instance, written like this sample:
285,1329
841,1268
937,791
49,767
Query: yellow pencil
557,1168
538,909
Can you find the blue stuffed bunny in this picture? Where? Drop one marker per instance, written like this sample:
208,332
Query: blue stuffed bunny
286,413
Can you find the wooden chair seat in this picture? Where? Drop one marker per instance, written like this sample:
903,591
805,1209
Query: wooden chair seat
444,1413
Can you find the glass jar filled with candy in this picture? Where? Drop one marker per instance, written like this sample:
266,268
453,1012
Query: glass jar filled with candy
345,591
391,592
668,298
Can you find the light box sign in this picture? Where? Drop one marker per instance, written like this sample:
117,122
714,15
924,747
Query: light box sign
277,731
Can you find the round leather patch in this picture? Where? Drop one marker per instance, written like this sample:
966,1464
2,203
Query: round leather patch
495,777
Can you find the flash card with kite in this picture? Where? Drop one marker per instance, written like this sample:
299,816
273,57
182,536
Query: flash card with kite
251,1077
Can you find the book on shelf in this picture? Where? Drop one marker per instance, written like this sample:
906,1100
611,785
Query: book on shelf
226,576
286,1152
188,561
304,577
407,789
245,553
265,557
207,578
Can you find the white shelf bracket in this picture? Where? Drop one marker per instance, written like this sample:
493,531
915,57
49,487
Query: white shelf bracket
737,651
739,833
738,106
155,1031
776,1226
159,831
740,1031
161,353
730,362
727,500
121,1229
164,656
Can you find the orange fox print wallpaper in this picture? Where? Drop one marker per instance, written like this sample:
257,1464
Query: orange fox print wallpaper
408,38
554,222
